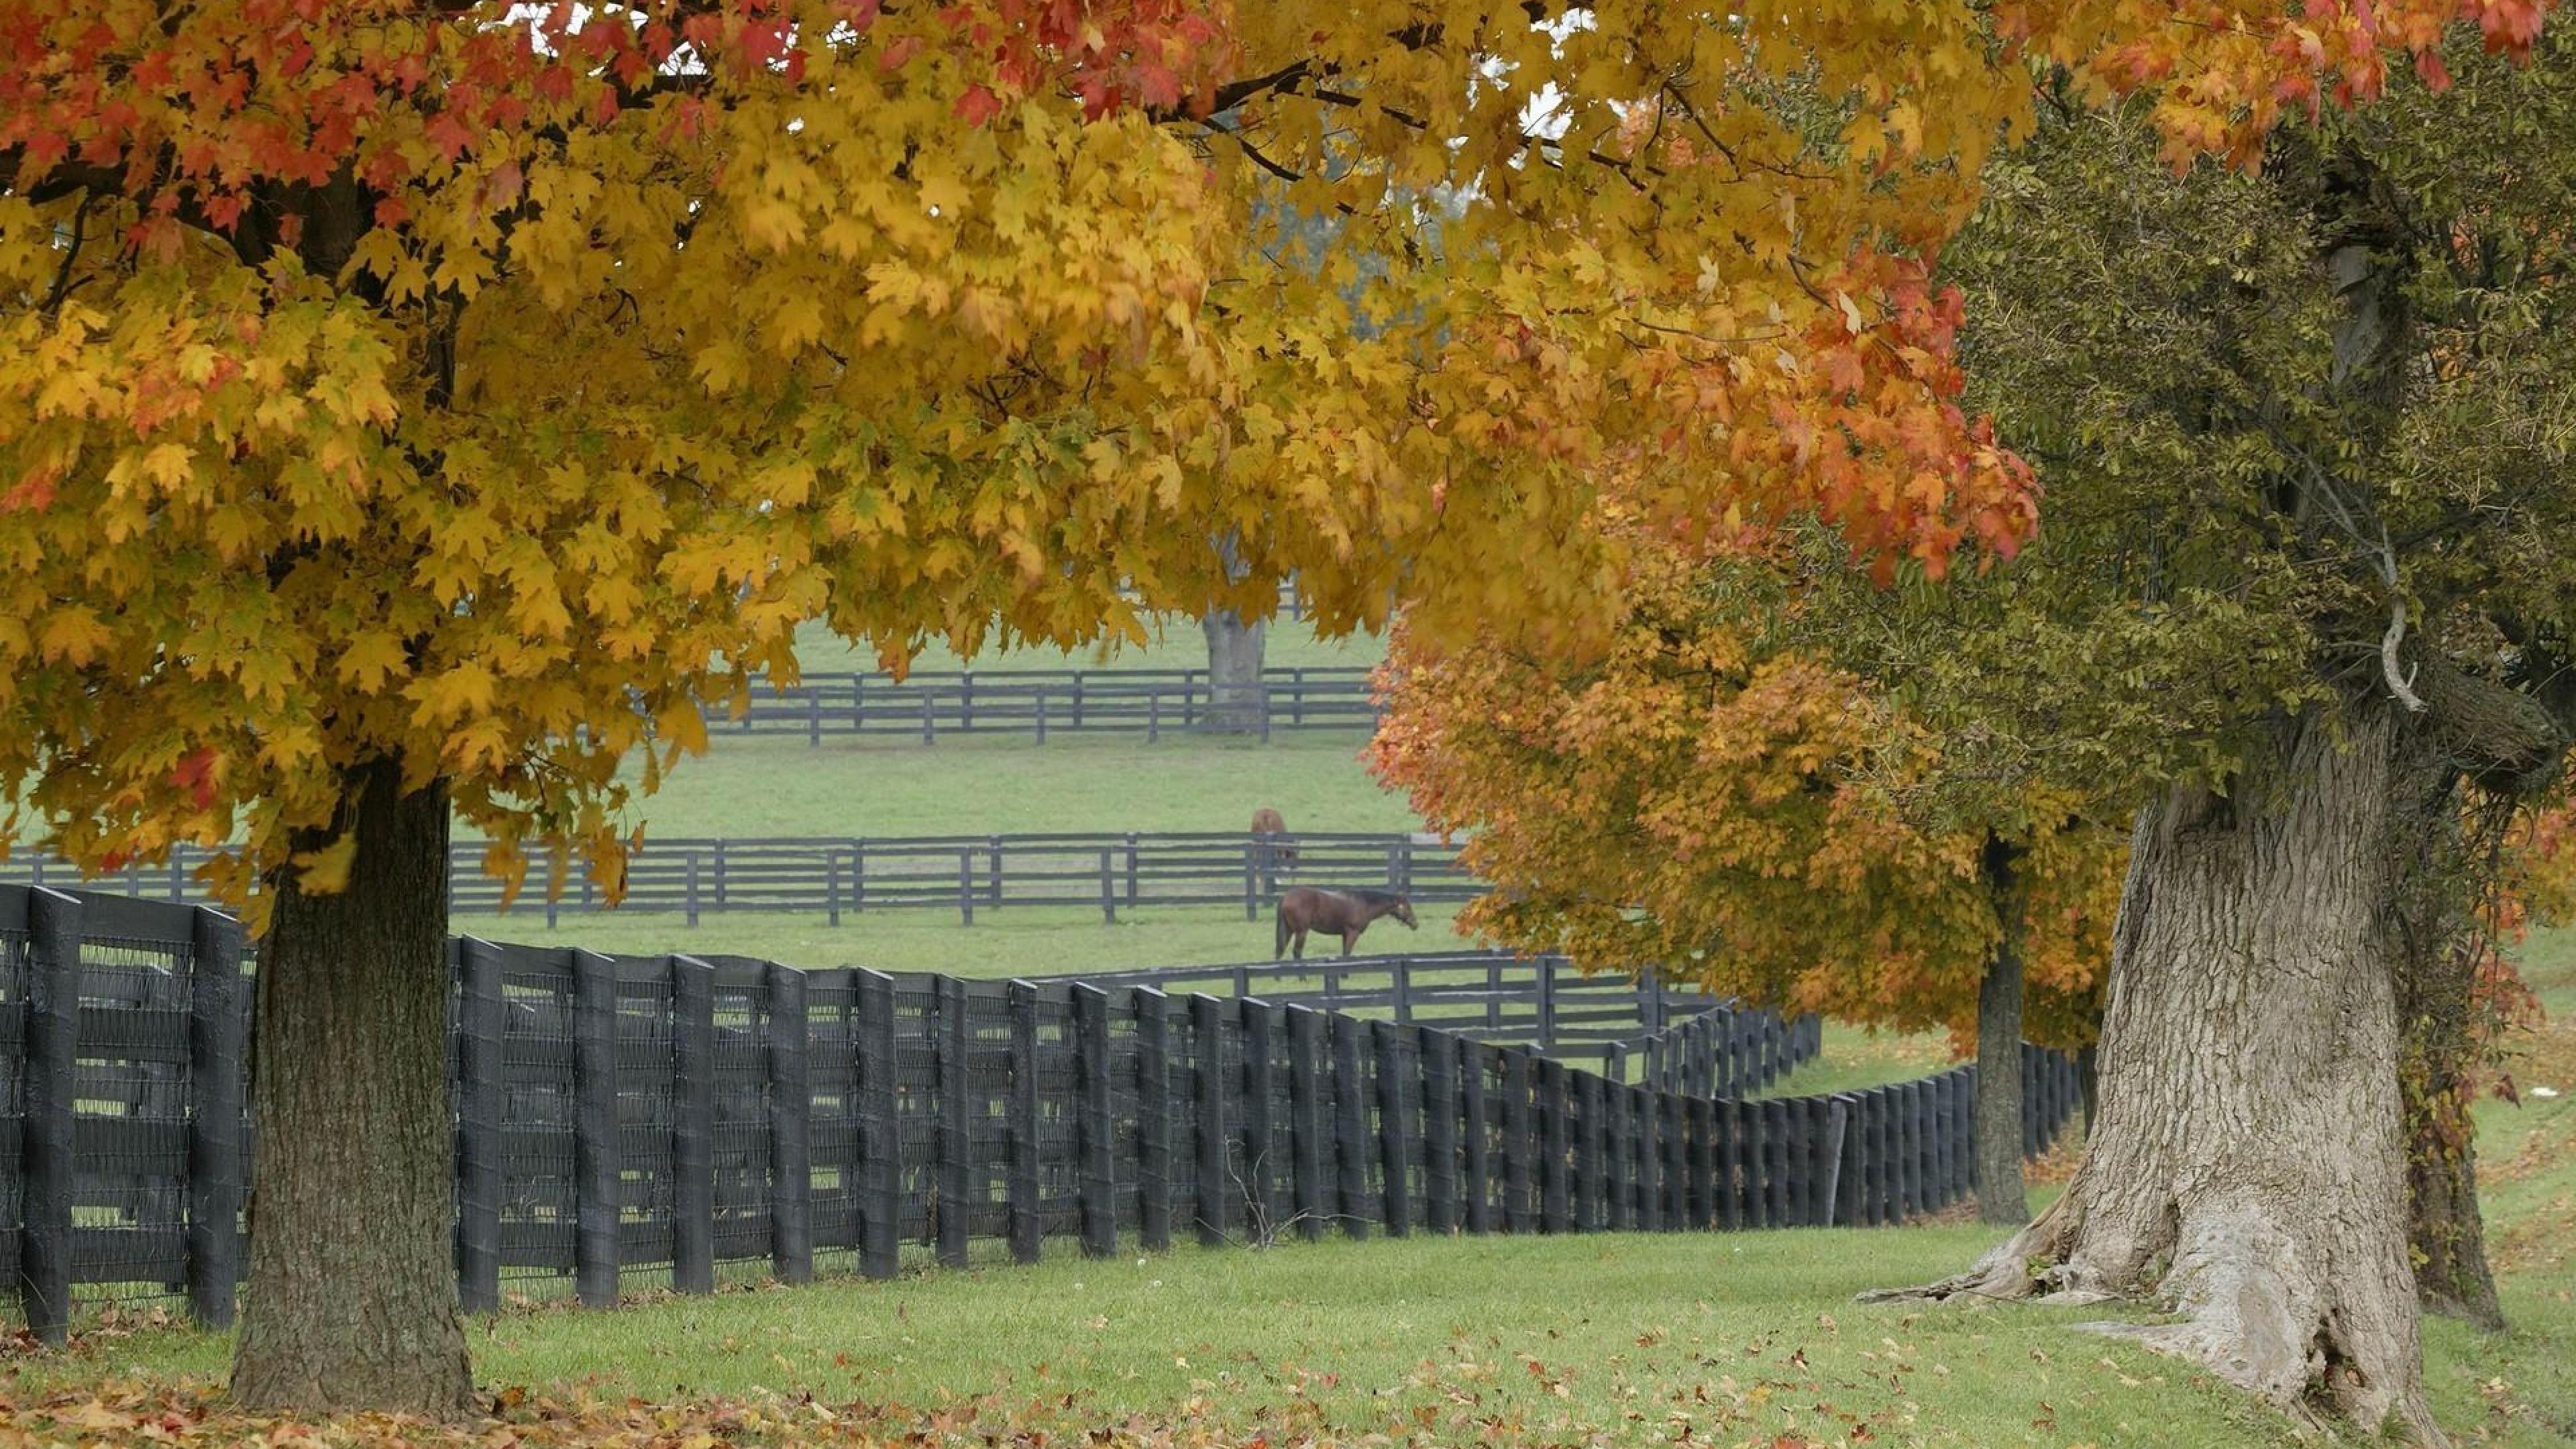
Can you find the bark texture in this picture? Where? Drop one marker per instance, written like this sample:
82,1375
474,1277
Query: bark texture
351,1301
1237,702
2248,1171
2002,1197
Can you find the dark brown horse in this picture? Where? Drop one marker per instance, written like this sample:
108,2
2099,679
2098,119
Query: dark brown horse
1335,913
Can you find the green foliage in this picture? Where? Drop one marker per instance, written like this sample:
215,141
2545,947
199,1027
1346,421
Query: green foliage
2241,480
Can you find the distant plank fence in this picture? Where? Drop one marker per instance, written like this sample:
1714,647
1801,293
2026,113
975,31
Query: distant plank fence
1039,702
834,876
648,1118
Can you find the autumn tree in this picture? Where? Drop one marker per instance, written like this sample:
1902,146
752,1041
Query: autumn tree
408,412
1714,798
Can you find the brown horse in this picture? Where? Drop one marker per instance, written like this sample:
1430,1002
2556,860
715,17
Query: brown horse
1342,913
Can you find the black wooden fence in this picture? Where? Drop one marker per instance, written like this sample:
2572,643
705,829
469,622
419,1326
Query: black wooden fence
1040,702
1682,1041
834,876
643,1119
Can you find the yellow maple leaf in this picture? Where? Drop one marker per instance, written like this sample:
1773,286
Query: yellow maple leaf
325,872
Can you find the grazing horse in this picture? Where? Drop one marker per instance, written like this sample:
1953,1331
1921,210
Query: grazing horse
1342,913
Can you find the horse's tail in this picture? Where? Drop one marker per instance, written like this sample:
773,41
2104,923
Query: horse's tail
1279,937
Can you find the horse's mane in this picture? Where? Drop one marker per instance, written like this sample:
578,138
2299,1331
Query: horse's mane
1374,898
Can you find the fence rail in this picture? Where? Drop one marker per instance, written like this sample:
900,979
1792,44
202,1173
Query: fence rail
1040,702
621,1116
834,876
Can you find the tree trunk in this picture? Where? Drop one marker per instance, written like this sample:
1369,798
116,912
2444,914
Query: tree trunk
1237,702
2248,1171
351,1302
2001,1196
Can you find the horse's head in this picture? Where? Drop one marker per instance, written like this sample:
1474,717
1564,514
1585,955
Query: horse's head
1404,912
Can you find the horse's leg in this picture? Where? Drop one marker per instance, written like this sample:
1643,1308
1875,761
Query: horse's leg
1301,943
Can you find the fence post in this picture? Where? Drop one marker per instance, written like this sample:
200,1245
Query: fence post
1438,1054
1883,1153
1477,1172
1699,1116
1587,1154
1619,1146
1021,1111
1787,1137
791,1119
1096,1138
1646,1102
1309,1114
1519,1144
1827,1193
1131,868
693,1125
1394,1128
2029,1066
1207,1022
1041,715
480,1088
215,1127
692,898
50,1084
1909,1162
926,731
596,1181
1255,1021
1555,1201
1350,1129
966,883
1547,1004
966,701
1251,880
1108,892
1676,1163
880,1129
956,1168
1153,1119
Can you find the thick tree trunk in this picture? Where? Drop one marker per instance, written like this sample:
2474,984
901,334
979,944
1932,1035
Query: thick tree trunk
351,1302
2001,1195
1237,702
2248,1171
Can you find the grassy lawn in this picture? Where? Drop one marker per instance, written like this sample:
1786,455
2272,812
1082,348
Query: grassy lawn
966,785
1615,1339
